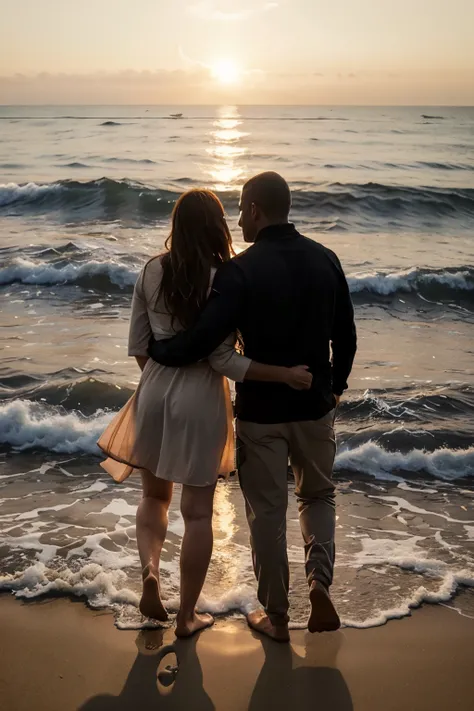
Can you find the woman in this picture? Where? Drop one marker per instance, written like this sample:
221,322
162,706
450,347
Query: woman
177,428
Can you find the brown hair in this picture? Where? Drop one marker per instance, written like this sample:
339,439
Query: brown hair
271,193
199,240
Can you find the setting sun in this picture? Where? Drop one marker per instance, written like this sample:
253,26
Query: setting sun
226,71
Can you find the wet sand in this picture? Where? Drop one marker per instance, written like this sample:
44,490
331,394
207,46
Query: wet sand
57,655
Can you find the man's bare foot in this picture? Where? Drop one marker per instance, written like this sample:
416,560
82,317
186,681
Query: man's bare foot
150,603
186,628
260,622
323,616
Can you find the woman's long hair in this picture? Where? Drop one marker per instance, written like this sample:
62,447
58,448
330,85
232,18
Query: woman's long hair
199,240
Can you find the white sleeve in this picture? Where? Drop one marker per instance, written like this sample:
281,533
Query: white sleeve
140,328
228,362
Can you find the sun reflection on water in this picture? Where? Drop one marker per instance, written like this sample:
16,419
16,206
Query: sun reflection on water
227,561
226,149
224,514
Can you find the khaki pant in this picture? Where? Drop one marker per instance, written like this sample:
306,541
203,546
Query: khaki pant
263,452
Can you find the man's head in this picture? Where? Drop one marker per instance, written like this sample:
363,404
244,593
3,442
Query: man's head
265,200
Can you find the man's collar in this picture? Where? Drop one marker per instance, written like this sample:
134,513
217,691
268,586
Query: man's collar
282,230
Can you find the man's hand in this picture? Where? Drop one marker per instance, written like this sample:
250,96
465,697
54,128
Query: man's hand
298,377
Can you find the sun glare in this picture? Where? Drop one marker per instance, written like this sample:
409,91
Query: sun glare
226,71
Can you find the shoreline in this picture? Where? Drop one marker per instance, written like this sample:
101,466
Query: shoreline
59,655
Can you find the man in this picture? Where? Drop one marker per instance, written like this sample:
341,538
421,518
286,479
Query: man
288,297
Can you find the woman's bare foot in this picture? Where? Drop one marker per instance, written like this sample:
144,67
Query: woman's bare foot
150,603
188,627
323,616
260,622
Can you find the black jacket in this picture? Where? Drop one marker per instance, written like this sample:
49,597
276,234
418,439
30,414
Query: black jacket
288,297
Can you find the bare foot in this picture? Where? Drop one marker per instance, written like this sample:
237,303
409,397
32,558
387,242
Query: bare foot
150,604
186,628
323,616
260,622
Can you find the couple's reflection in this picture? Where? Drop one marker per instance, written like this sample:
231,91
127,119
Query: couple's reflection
301,676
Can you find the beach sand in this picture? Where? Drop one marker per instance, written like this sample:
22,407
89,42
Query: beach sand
57,655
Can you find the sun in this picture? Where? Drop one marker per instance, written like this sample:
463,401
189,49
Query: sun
226,71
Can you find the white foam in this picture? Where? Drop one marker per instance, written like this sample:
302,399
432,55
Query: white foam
444,544
11,192
93,488
370,458
34,513
27,425
400,504
240,599
28,272
31,542
101,589
92,550
449,585
119,507
386,283
404,553
406,487
470,532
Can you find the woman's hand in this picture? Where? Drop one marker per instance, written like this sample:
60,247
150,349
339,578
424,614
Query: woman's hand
298,377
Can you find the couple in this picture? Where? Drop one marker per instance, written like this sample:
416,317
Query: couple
287,299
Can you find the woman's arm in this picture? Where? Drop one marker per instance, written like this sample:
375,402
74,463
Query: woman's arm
142,361
140,330
227,361
297,377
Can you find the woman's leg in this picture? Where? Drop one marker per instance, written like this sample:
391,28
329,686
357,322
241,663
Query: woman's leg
152,522
196,551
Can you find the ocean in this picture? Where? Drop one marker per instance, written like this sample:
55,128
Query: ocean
85,198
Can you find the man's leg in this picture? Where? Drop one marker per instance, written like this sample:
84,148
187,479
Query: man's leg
312,453
263,467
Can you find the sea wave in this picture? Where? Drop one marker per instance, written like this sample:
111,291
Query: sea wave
455,283
91,274
373,460
440,412
104,198
405,404
70,388
112,199
29,425
436,283
26,425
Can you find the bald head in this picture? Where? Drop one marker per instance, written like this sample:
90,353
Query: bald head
271,193
265,200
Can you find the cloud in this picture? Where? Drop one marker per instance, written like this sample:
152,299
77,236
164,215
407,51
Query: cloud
225,11
125,87
195,85
348,75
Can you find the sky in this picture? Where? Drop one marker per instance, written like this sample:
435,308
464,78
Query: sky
368,52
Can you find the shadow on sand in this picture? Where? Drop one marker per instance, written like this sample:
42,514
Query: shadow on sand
170,678
303,683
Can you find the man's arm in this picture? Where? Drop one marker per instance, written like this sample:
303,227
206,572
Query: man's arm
218,319
344,336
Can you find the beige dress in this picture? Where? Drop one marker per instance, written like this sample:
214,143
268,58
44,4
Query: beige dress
178,423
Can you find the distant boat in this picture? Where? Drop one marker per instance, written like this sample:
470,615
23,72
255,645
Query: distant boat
176,116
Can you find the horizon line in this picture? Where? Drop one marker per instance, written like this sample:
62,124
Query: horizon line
228,103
